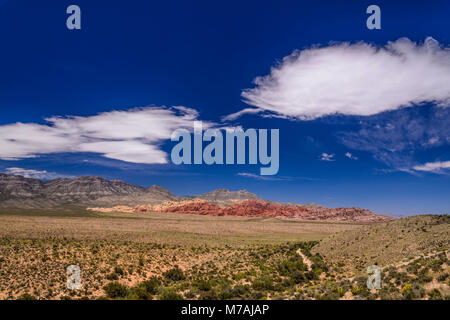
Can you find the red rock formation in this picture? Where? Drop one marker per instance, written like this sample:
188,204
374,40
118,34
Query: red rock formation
257,208
260,208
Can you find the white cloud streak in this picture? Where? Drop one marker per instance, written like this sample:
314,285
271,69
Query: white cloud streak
259,177
234,116
132,135
327,157
36,174
350,156
435,167
354,79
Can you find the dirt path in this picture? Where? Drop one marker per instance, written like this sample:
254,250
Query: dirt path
306,260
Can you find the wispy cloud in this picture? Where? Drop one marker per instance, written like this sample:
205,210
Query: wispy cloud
350,156
395,138
277,178
354,79
435,167
259,177
327,157
36,174
133,135
234,116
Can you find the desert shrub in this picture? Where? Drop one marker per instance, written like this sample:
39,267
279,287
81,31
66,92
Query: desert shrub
355,290
239,291
424,277
435,294
329,295
313,274
139,293
175,274
298,276
442,277
264,283
170,294
202,285
238,276
209,295
257,295
151,285
26,296
145,290
226,293
340,291
413,268
118,270
112,276
364,292
412,291
386,294
189,295
115,290
291,265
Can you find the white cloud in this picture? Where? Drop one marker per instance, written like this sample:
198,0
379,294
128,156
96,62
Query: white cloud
350,156
36,174
133,135
435,167
259,177
354,79
234,116
327,157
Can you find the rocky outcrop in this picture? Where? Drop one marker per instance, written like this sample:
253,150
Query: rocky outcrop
225,194
257,208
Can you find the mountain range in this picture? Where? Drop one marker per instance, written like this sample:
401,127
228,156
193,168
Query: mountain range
28,193
102,195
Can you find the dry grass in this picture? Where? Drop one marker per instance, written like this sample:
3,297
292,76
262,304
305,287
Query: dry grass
218,257
166,228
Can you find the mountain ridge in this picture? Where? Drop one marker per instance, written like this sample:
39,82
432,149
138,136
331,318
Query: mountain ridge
21,192
99,194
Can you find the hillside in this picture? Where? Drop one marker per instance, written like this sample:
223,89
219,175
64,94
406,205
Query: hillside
387,243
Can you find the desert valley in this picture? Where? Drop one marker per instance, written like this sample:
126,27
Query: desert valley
132,242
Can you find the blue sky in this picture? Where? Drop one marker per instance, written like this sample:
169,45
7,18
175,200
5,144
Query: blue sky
387,148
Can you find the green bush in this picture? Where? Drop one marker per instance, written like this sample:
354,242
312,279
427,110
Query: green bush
139,293
262,284
175,274
115,290
118,270
291,265
240,291
112,276
26,296
202,285
257,295
151,285
170,294
413,291
435,294
209,295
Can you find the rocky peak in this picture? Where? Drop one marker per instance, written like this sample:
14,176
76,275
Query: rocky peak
225,194
160,191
